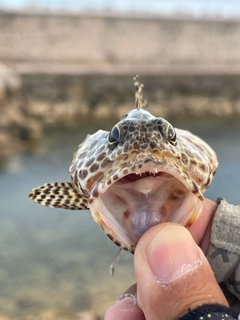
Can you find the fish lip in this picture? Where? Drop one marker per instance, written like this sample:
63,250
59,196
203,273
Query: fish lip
153,167
133,177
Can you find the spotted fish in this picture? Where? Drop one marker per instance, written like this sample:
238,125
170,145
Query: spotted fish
141,173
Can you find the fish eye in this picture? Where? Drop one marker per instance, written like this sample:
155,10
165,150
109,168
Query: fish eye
171,135
167,130
113,138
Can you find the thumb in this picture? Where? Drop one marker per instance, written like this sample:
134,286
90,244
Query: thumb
172,274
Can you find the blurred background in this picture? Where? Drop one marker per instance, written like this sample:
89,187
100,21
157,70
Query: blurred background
66,70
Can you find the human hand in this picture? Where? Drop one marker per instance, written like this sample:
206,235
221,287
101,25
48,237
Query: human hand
172,273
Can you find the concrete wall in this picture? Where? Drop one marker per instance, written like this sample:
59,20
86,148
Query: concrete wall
42,37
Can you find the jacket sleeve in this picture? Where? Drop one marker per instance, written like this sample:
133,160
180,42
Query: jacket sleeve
224,251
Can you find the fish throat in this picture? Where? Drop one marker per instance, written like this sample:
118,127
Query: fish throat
152,192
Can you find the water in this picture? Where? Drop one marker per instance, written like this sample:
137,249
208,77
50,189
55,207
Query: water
55,262
52,259
197,7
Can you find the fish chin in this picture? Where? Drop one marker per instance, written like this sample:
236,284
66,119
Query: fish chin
136,202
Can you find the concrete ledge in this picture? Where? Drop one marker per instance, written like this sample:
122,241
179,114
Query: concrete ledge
126,69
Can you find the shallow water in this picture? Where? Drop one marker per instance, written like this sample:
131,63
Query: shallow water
55,262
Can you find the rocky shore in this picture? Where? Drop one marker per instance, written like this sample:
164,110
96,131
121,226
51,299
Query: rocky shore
30,103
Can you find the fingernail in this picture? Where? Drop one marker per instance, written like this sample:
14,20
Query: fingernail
127,297
172,254
124,308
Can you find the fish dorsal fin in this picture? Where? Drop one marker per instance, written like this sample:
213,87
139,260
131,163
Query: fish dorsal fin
59,195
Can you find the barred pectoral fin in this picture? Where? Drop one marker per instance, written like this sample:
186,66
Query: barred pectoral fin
59,195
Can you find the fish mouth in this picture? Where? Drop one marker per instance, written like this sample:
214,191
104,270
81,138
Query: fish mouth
137,201
132,177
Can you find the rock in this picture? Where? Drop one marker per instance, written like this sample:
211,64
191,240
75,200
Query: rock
10,82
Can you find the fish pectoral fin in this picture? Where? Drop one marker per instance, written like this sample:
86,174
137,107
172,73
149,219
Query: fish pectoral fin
59,195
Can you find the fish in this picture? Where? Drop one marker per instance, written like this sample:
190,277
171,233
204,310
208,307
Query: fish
140,173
